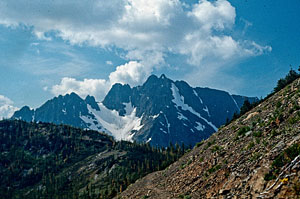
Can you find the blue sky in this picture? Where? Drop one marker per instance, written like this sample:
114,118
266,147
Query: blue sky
49,48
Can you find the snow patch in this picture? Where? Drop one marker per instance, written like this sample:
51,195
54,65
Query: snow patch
207,111
128,108
179,102
195,93
120,127
235,102
92,123
33,117
64,111
163,131
168,124
149,140
199,126
181,117
154,116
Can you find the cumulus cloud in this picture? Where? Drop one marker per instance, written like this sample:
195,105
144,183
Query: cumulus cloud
94,87
155,27
6,107
147,32
133,73
217,15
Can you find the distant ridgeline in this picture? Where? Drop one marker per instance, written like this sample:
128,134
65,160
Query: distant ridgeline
42,160
159,112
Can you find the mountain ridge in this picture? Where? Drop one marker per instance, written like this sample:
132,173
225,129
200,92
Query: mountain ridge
160,111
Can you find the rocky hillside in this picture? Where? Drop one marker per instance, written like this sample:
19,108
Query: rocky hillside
255,156
158,112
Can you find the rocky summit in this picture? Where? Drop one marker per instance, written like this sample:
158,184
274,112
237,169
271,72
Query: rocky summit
159,112
255,156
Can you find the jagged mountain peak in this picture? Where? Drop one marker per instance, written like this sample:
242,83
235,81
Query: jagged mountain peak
92,102
163,76
117,96
71,95
155,80
25,113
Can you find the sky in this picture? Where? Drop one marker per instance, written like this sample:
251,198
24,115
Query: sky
53,47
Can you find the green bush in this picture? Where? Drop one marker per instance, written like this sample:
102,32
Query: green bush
278,104
293,120
274,133
215,148
187,196
199,144
269,176
251,145
257,134
282,159
242,131
214,169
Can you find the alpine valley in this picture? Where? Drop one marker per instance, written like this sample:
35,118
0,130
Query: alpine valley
159,112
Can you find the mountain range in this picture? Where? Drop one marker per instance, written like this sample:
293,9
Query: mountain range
159,112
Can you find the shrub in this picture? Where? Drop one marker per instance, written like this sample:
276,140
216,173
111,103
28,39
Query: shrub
269,176
293,120
182,166
265,143
186,196
199,144
257,140
215,148
214,168
278,104
242,131
274,133
251,145
257,134
282,159
209,144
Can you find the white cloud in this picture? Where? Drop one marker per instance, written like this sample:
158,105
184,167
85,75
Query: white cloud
133,73
147,31
137,26
217,15
95,87
6,107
